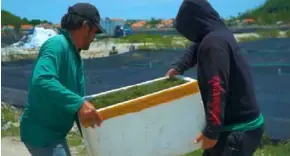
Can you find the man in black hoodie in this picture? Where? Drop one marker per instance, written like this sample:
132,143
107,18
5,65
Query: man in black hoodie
234,122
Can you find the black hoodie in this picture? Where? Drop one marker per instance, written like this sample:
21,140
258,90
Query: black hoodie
224,76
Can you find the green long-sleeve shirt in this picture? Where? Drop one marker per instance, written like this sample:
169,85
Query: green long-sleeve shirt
55,94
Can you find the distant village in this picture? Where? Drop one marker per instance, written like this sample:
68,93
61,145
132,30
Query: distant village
110,24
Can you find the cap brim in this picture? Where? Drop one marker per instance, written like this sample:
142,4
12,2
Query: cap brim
100,29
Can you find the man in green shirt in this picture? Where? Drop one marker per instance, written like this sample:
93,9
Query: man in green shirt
55,98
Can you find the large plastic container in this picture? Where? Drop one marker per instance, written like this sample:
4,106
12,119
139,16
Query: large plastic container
164,123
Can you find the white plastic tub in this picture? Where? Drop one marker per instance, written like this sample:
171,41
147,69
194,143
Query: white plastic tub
164,123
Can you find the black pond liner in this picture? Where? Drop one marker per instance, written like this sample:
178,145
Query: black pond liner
269,60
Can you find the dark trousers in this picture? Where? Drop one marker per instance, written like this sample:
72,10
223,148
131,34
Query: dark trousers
59,148
237,143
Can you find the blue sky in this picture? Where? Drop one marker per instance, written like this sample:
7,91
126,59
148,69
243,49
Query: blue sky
53,10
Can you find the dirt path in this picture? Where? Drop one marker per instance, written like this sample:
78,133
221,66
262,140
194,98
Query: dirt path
13,147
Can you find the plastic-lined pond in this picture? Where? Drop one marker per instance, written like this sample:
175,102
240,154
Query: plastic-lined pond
269,61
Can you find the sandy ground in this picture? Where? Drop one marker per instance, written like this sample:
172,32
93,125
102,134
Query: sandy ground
13,147
243,35
97,49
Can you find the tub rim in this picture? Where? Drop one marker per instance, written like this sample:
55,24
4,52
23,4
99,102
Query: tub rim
149,100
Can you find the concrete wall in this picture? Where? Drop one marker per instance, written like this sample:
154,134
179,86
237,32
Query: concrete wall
161,124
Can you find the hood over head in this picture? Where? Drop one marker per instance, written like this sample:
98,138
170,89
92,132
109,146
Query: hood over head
196,18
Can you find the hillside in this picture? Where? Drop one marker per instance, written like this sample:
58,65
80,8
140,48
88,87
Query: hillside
270,12
11,19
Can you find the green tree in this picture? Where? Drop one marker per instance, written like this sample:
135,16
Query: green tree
9,18
25,21
153,22
270,12
35,22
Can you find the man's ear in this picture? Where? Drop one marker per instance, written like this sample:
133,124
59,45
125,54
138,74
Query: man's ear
86,24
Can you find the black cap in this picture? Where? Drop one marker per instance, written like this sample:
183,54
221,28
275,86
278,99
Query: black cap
87,11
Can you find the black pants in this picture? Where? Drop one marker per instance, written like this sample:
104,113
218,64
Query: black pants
236,143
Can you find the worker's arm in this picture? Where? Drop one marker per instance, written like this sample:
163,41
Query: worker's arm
214,67
45,79
188,60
